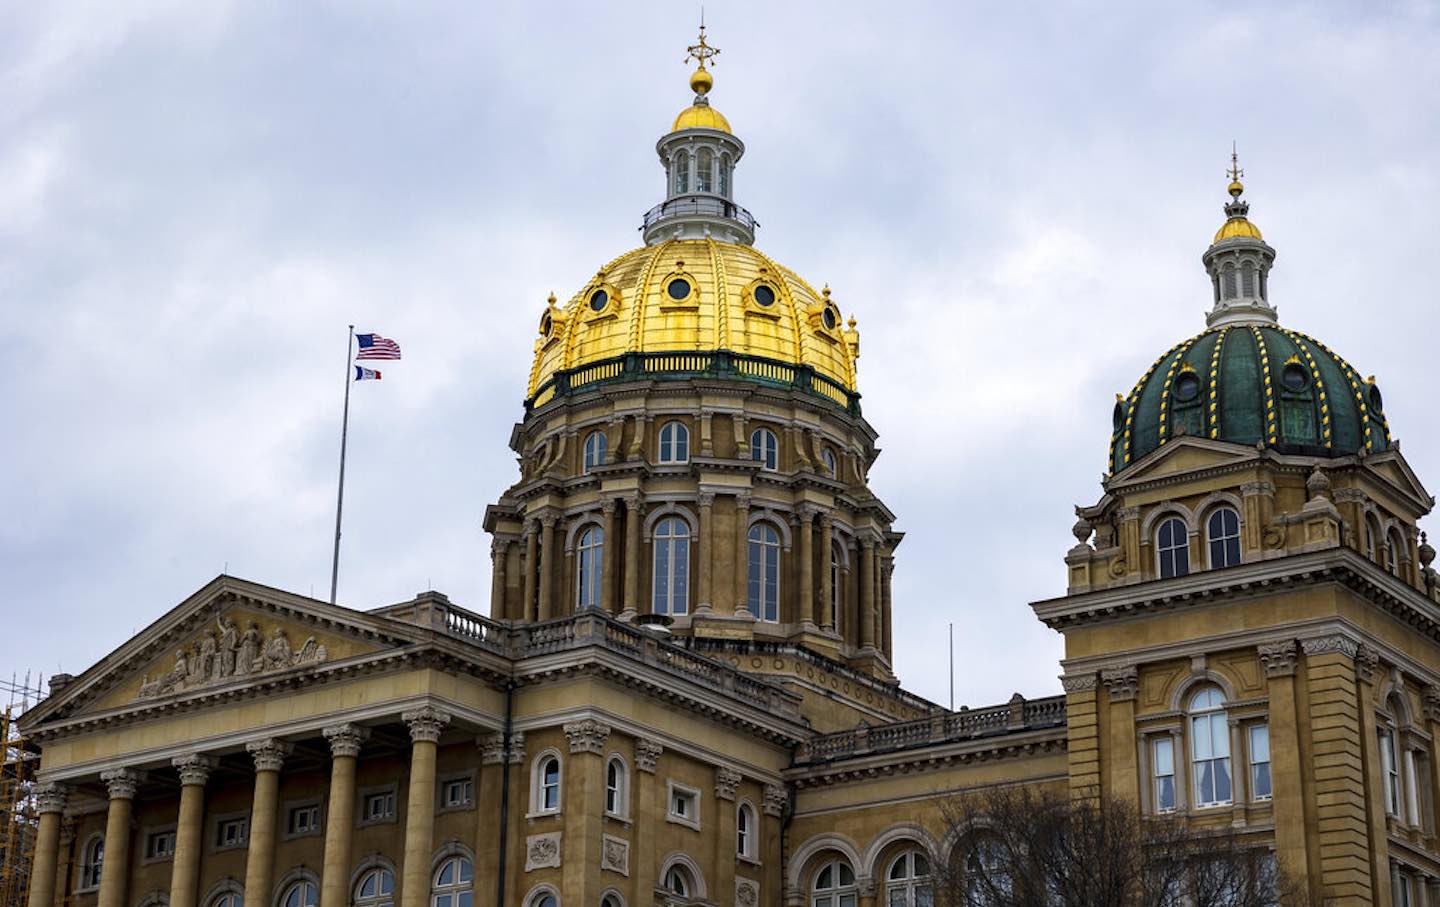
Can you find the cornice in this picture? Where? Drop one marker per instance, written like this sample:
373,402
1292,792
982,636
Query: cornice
935,757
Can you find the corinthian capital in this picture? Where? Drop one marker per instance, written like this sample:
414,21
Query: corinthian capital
194,768
50,797
726,782
1279,658
1123,682
587,736
345,739
121,783
647,754
425,723
776,797
269,754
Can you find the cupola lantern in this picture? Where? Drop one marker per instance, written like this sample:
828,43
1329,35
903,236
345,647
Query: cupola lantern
1239,262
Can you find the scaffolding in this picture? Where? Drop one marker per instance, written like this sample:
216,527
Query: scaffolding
19,819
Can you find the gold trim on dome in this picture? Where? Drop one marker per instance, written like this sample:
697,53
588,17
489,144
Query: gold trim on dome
614,301
669,303
753,306
816,316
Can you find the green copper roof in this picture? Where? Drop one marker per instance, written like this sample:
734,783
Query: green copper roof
1251,384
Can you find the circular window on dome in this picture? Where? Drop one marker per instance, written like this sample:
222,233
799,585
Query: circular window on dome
1118,417
1294,377
679,288
764,295
1187,387
546,326
1377,402
830,319
599,300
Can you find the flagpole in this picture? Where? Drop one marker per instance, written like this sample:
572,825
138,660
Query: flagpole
344,431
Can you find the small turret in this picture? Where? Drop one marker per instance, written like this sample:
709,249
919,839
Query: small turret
1239,262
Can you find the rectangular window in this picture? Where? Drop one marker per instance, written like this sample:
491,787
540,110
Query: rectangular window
684,806
1403,893
160,845
303,820
1162,759
232,832
378,807
1390,768
1260,762
457,794
1210,745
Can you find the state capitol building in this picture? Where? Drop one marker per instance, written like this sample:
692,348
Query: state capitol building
683,690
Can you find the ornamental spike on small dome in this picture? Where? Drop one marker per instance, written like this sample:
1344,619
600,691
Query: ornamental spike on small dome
1239,261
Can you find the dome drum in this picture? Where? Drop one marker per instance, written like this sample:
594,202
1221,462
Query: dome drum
679,366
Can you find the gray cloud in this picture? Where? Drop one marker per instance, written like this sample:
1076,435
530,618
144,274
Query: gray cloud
195,199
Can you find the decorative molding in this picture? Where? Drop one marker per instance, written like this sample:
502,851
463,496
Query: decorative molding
492,748
726,781
1080,683
345,739
1279,658
776,799
1367,663
615,854
1350,496
1123,682
1330,643
747,893
587,736
121,783
1262,487
219,657
50,797
542,851
1432,703
194,768
426,723
1127,514
647,753
269,754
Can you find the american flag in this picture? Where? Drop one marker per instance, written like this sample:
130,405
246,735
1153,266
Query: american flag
373,346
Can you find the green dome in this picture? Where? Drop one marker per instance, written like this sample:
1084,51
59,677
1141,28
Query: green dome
1251,384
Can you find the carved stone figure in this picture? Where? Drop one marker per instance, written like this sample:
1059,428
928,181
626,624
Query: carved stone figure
217,657
277,650
176,678
246,660
310,652
209,650
229,639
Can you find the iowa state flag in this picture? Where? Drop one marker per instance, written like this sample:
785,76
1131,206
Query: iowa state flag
366,374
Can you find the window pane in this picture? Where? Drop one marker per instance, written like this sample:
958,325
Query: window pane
1222,780
1165,792
1260,780
680,561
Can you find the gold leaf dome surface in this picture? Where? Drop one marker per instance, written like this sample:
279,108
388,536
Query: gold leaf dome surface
701,117
1237,226
726,309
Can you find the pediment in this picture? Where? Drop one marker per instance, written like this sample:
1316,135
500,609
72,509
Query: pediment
1182,455
1392,467
228,635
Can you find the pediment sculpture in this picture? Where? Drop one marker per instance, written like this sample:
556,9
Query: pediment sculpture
225,653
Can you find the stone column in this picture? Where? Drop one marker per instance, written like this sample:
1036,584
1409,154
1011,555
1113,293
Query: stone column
1123,683
547,566
68,829
499,549
1366,663
608,560
643,870
706,500
809,608
269,755
345,740
867,594
189,828
582,804
742,556
727,780
425,726
115,872
633,518
887,636
527,607
827,587
50,801
1286,783
775,800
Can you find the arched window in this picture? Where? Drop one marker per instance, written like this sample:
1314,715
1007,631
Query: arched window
674,443
1210,747
827,456
546,798
745,831
1223,533
302,893
616,787
1392,553
1228,280
590,567
764,572
1372,532
834,886
595,446
672,567
725,175
454,884
765,448
678,881
546,899
610,900
376,888
227,899
986,877
1172,547
907,883
92,862
705,171
837,561
1392,768
1247,280
682,172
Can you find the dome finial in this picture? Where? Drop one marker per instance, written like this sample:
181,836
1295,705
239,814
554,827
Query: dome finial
702,53
1236,187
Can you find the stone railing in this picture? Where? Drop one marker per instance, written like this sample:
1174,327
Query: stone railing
1018,715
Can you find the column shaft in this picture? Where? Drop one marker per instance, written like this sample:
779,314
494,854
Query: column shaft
115,872
189,830
425,726
827,582
47,846
608,560
632,555
742,555
707,553
527,608
345,740
497,579
809,609
867,595
547,567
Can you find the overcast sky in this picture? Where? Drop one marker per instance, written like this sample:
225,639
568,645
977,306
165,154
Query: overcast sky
1012,198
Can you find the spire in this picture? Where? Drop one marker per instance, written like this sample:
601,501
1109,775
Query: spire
1239,261
699,155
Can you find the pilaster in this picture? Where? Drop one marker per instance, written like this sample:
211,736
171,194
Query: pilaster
1082,724
1279,659
1122,683
584,781
647,759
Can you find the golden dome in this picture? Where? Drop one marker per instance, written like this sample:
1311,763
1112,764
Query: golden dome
1237,226
696,295
699,116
